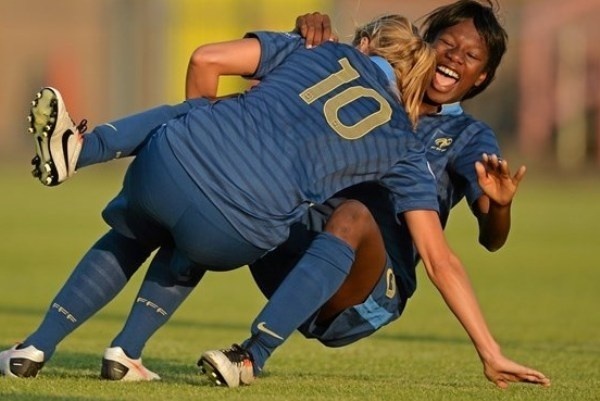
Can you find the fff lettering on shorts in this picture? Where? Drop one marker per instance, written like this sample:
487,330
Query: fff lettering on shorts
64,312
151,305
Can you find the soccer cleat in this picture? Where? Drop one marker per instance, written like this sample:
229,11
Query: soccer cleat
228,367
57,138
25,362
118,366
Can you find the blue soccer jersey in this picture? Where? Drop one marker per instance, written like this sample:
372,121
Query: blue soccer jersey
321,120
454,142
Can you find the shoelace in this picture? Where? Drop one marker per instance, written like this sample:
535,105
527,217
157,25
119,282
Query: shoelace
82,126
237,354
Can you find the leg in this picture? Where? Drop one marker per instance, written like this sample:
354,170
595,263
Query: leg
353,223
96,280
319,275
124,137
61,148
159,297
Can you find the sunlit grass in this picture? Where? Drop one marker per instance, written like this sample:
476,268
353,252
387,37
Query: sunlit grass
539,293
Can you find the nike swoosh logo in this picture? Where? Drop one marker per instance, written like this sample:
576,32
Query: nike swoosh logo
65,146
262,326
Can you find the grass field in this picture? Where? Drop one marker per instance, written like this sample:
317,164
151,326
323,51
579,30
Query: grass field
541,295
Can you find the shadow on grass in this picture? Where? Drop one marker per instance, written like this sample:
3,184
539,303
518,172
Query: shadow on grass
426,338
79,365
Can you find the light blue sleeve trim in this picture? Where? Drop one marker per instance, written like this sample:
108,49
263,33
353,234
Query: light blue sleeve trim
386,68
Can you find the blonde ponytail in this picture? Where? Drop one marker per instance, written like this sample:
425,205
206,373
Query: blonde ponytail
394,38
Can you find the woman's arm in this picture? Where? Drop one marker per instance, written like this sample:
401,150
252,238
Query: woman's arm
209,62
449,276
493,207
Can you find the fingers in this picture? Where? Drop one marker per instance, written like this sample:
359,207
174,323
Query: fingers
535,377
520,174
530,377
480,170
315,28
495,164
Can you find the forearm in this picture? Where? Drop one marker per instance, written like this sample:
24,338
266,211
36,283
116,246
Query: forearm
454,285
494,226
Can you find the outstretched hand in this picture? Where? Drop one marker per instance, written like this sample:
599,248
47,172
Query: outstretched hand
315,28
502,371
494,177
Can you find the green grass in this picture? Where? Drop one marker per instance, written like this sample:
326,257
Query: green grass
540,294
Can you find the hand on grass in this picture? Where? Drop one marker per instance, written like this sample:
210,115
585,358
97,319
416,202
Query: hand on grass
501,371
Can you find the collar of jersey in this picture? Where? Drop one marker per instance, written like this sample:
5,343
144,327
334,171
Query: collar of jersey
451,109
386,68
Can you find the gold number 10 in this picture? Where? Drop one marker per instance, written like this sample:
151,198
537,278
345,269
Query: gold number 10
333,105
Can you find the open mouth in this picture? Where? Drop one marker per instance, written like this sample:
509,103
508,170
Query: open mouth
445,77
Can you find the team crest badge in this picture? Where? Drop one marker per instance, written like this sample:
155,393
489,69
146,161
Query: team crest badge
442,144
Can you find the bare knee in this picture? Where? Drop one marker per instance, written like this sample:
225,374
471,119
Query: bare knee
352,222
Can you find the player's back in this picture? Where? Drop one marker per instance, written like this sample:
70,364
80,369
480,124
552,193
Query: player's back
319,121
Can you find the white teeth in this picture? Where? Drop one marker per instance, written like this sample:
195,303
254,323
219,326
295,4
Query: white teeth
447,71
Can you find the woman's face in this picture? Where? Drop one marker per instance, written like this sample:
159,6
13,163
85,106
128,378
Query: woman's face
462,56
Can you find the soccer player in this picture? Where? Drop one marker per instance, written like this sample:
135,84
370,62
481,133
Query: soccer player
470,43
234,174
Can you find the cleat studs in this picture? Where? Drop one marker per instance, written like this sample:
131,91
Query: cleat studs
47,128
38,95
35,161
33,102
36,173
29,118
47,167
30,130
47,181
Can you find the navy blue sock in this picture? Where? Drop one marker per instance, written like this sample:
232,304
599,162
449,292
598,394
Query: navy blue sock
99,276
124,137
315,278
159,297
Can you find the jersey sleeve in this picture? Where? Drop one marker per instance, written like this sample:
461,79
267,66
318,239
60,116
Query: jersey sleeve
411,182
482,141
275,47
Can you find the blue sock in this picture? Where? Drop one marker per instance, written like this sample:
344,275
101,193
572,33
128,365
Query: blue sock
99,276
317,276
159,297
124,137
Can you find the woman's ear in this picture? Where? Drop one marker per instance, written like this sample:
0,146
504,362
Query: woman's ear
363,46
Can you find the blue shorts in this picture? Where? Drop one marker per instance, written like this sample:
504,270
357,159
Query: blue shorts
160,204
384,305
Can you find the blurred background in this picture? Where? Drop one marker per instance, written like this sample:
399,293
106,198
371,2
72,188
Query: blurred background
115,57
111,58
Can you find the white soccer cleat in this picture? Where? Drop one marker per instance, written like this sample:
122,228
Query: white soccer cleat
230,367
57,139
118,366
25,362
